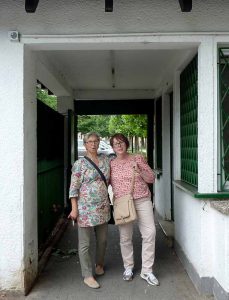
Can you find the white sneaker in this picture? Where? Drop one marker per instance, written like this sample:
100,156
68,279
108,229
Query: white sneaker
150,278
128,274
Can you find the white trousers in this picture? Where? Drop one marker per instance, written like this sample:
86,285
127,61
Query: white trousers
144,209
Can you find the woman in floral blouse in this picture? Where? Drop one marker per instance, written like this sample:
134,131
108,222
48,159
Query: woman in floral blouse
90,207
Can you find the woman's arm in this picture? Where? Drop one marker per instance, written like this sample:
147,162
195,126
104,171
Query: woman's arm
74,189
74,212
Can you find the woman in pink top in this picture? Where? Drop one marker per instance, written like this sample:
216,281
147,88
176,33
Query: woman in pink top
121,174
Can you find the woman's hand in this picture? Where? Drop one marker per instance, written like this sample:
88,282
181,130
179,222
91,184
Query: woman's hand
144,174
136,168
73,214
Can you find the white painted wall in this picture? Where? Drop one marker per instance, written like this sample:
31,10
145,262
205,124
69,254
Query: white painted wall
128,17
220,237
18,166
29,208
18,160
207,116
163,184
202,233
187,215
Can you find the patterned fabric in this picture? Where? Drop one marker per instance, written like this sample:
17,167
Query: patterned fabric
121,174
88,186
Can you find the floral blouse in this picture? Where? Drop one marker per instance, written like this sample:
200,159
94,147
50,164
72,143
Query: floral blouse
90,190
121,177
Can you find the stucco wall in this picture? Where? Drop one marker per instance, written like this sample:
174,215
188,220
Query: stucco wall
220,237
187,226
163,183
60,17
202,234
11,161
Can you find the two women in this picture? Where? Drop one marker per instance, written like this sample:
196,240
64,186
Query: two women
90,206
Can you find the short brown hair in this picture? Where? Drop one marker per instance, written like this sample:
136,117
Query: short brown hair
120,137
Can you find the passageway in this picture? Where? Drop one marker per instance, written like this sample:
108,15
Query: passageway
61,278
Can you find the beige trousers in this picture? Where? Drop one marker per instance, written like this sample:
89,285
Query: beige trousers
144,209
84,242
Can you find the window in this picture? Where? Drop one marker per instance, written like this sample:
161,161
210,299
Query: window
223,74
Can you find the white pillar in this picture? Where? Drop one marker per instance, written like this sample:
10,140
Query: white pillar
166,155
207,116
18,193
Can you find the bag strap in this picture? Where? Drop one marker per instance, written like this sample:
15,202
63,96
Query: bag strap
132,182
97,169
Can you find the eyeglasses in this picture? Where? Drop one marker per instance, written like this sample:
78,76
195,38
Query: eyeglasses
118,144
92,142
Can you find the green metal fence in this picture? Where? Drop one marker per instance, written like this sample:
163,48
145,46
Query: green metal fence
188,122
50,179
223,75
50,169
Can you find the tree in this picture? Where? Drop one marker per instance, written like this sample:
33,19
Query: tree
130,125
49,100
97,123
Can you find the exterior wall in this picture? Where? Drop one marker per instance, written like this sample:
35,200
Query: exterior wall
18,159
202,240
80,17
200,236
207,116
187,226
163,184
18,166
195,222
220,235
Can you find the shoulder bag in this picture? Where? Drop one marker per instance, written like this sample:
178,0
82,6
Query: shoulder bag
124,209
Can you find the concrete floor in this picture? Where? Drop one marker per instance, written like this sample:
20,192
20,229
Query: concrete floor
61,278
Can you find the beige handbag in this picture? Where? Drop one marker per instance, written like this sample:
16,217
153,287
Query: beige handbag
124,209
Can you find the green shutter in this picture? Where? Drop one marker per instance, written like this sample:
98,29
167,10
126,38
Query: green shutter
188,122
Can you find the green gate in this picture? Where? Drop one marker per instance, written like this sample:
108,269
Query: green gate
50,169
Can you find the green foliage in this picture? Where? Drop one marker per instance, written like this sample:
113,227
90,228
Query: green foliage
130,125
49,100
98,124
105,125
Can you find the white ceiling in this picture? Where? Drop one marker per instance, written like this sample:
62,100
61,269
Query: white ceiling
132,69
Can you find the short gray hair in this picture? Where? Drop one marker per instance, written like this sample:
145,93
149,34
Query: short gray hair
89,134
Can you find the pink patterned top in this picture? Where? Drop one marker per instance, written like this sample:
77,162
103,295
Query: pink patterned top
121,174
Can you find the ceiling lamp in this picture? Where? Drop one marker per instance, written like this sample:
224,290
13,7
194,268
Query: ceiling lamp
108,5
185,5
31,5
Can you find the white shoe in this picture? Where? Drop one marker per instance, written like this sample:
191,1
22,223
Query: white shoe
150,278
128,274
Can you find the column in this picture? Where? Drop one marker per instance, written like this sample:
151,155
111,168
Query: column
18,193
207,116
